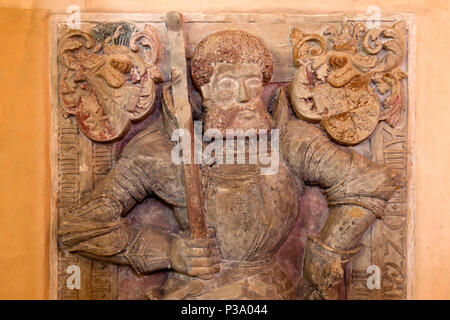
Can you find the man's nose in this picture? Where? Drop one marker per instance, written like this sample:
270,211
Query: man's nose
243,95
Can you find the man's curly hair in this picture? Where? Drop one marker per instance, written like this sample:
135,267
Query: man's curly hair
230,46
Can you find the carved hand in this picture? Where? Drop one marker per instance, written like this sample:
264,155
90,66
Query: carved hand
195,256
321,280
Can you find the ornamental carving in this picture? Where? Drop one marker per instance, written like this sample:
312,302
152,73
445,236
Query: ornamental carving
341,74
234,156
108,76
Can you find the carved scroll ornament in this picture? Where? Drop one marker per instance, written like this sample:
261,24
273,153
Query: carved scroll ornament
339,75
107,77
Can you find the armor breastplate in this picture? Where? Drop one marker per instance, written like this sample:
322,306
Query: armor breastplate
252,213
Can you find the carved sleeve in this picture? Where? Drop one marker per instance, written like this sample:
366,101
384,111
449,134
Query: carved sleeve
98,228
95,225
346,176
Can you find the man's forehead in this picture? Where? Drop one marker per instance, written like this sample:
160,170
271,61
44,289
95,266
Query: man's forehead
237,70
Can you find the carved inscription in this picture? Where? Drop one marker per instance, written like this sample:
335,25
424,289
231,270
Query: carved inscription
69,193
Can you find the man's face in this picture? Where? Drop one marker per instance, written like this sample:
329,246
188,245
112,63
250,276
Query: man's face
232,98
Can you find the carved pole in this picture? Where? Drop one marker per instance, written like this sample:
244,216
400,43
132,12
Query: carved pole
183,115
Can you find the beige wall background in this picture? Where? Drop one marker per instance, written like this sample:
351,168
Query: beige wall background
25,130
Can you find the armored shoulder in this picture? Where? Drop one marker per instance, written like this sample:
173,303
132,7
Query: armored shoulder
296,139
346,176
149,155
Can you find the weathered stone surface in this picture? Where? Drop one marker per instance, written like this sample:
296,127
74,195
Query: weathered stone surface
108,174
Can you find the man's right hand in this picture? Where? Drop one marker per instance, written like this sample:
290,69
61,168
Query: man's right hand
195,256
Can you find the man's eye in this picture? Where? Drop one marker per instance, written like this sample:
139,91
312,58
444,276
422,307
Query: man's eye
253,82
226,83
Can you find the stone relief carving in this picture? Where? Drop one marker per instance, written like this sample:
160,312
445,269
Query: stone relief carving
333,83
108,78
221,230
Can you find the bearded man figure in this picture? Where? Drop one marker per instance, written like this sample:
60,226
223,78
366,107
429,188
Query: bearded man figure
250,215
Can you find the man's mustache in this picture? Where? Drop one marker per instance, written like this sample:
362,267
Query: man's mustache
246,116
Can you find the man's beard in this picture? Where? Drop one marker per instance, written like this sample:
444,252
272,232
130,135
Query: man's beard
245,116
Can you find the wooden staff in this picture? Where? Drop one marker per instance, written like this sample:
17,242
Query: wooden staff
183,115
